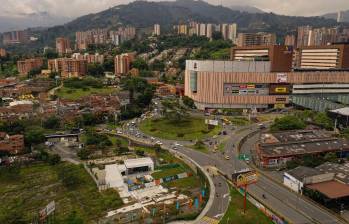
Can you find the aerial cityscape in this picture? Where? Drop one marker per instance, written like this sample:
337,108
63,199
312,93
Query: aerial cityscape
182,112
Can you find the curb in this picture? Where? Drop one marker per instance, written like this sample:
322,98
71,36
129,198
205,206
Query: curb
212,187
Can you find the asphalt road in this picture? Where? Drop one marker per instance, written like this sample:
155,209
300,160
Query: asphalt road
294,208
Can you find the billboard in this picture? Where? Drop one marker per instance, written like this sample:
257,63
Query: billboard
243,178
211,122
281,78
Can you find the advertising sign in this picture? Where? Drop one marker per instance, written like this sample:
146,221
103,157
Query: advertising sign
211,122
281,78
246,178
50,208
281,90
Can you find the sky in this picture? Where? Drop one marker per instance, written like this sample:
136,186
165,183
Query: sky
75,8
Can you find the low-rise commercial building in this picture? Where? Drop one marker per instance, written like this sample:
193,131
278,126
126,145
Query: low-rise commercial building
296,179
276,149
257,78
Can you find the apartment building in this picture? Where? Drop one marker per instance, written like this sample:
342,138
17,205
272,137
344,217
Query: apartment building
303,35
63,46
25,66
157,30
255,39
123,63
68,67
290,40
89,58
3,52
15,37
121,35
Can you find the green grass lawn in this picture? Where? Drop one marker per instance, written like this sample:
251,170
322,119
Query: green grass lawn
24,194
74,94
168,172
191,129
184,184
235,213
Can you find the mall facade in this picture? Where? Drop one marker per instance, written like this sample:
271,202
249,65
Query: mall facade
264,77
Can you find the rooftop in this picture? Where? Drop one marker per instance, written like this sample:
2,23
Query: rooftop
302,172
331,189
283,144
341,171
131,163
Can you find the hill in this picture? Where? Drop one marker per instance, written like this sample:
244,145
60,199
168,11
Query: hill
246,8
334,15
144,14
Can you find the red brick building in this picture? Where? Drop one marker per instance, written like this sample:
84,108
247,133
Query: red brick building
25,66
68,67
63,45
13,144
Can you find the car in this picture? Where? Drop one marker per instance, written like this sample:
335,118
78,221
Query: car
158,143
224,132
152,138
175,148
119,132
177,144
227,157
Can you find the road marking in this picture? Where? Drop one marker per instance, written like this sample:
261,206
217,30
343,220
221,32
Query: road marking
219,215
208,220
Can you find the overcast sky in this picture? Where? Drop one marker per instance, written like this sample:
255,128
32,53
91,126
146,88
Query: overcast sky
75,8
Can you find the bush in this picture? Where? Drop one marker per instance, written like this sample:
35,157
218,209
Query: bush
54,159
289,122
180,135
69,176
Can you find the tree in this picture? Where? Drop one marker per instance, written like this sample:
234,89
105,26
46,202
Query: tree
52,122
189,102
289,122
73,218
95,70
34,72
323,120
140,64
173,111
54,159
34,136
69,176
331,157
217,35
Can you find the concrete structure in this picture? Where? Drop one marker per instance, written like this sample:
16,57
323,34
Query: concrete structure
301,176
341,171
15,37
139,165
3,52
123,63
262,77
113,177
63,46
68,67
303,36
324,57
90,58
25,66
276,149
290,40
255,39
157,30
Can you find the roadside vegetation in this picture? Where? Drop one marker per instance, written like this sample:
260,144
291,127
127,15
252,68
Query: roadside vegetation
24,191
235,212
192,128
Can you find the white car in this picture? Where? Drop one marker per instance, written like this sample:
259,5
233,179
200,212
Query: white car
119,132
177,144
158,143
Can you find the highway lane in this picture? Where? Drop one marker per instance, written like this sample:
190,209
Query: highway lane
282,201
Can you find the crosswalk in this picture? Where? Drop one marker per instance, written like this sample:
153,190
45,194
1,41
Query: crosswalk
208,220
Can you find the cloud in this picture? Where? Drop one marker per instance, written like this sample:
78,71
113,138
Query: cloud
75,8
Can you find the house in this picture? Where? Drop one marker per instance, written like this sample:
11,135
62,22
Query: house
12,144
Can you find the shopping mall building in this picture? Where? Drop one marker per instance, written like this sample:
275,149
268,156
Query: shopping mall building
263,77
